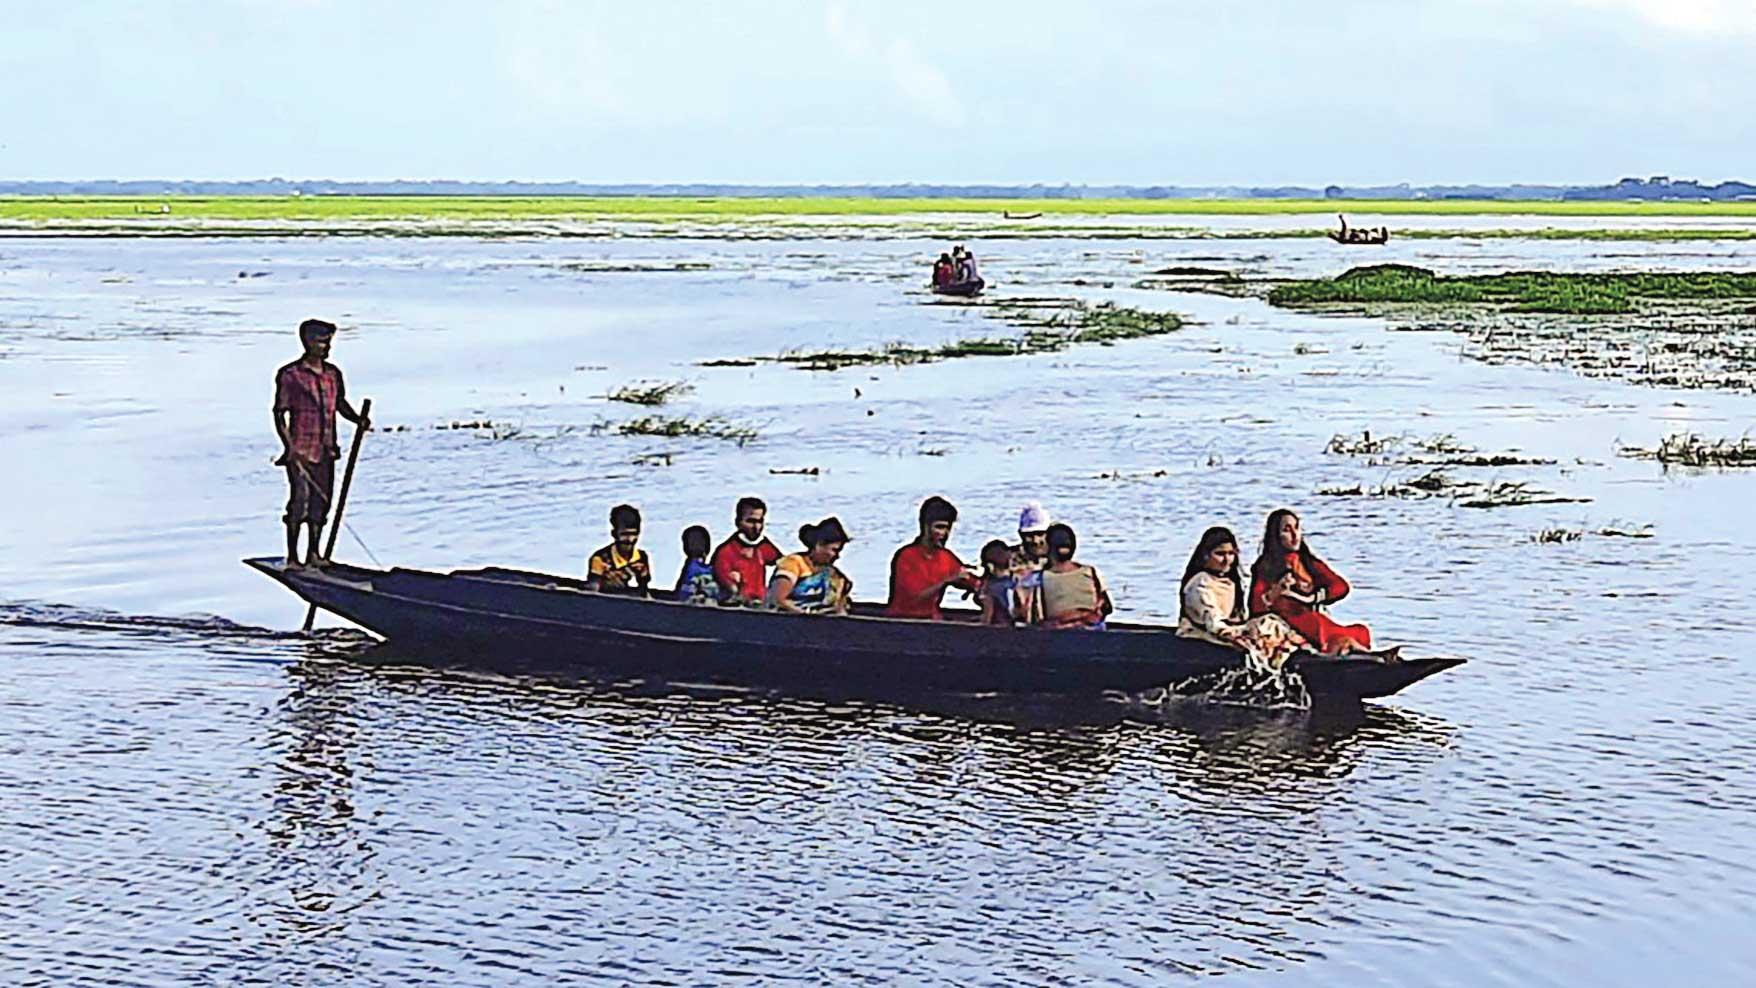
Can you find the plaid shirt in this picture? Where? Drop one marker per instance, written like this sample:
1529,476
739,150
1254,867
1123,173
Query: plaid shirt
310,396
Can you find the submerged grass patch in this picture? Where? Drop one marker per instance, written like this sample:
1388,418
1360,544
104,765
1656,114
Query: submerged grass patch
1690,450
1075,323
1517,291
1558,536
650,392
1443,450
671,427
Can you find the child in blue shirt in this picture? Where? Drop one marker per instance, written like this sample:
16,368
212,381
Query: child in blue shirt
999,585
696,585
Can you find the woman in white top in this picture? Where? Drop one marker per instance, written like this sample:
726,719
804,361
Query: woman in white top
1213,605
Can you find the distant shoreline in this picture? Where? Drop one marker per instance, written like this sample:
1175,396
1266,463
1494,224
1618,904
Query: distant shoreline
173,210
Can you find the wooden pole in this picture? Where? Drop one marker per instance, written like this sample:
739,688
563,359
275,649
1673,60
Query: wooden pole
341,501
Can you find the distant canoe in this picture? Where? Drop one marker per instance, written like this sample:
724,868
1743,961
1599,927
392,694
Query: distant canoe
1021,216
1369,240
512,620
961,289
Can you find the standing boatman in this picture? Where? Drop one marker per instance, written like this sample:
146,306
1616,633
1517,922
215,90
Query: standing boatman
307,394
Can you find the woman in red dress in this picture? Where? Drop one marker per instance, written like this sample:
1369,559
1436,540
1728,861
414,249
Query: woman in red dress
1288,579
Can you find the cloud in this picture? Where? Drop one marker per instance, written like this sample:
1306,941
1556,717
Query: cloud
1705,18
921,83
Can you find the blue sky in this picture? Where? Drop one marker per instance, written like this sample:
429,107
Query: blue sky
1191,93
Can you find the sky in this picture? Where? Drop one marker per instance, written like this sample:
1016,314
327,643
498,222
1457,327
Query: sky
1213,92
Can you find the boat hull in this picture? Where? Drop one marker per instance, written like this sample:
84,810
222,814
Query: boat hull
516,621
961,289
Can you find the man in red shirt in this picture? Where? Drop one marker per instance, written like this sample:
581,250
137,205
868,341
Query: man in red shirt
740,564
923,570
307,394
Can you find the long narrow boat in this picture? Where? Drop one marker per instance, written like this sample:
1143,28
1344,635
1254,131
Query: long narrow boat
518,620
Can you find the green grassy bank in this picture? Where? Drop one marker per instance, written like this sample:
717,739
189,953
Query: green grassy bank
1518,291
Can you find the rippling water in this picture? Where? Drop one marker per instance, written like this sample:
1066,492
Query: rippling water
188,799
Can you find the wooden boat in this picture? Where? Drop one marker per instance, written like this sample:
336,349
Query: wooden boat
961,289
514,620
1355,238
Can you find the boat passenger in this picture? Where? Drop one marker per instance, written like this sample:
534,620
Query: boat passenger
944,272
695,584
966,269
999,593
1289,580
1029,558
307,394
621,566
740,564
923,570
1073,594
809,581
1213,605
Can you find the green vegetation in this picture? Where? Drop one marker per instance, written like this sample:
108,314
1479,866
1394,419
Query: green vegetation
650,392
1517,291
1687,449
711,427
177,209
1103,324
1556,536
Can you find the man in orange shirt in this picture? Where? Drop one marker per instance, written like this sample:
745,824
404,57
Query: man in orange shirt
923,570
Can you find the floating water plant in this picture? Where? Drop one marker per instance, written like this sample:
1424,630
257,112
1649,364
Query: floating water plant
1519,291
1365,444
1074,323
650,392
1690,450
712,427
1515,494
1554,536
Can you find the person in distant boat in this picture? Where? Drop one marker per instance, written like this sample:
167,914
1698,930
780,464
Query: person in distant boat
966,270
999,593
809,581
622,566
695,584
1289,580
307,394
923,570
944,271
740,564
1213,605
1073,593
1029,558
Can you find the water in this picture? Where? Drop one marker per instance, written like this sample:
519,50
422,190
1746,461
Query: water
189,798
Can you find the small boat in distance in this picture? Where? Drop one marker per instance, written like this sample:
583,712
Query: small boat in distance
519,621
1358,235
1008,214
961,289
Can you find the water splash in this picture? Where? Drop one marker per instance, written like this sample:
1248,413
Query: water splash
34,614
1255,684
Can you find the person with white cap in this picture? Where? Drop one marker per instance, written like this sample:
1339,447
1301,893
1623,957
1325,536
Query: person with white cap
1030,557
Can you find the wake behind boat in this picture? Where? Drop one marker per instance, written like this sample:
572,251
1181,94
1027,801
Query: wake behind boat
517,620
